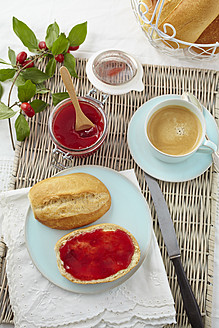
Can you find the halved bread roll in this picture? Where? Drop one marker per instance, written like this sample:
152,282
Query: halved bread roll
97,254
69,201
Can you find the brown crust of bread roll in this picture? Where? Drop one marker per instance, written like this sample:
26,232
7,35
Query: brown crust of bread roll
105,227
69,201
210,35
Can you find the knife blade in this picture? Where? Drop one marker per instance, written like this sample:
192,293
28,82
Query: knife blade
170,240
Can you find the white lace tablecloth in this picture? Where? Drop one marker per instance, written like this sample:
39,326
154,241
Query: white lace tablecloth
144,300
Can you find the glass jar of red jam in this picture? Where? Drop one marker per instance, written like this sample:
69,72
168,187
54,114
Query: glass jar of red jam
62,127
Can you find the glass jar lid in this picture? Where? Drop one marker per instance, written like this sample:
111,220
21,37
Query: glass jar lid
115,72
114,67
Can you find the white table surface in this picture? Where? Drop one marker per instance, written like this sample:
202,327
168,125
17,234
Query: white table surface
111,24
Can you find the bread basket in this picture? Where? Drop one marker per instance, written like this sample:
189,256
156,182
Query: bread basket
168,43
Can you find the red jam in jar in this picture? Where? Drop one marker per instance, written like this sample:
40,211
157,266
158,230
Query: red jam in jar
63,126
97,254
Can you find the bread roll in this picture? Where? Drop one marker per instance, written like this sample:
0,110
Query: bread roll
150,5
189,18
97,254
69,201
210,35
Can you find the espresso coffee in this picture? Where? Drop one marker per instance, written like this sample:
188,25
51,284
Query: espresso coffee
174,130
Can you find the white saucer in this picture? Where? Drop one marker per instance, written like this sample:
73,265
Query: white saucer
139,148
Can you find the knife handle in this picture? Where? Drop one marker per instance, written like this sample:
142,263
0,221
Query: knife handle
189,300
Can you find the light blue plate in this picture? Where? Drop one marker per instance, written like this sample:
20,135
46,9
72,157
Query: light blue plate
129,209
139,148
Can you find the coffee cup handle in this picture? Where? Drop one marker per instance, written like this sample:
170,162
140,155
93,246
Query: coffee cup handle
208,145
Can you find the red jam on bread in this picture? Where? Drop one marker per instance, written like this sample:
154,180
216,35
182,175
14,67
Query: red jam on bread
97,254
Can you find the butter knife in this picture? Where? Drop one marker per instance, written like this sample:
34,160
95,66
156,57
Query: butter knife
169,236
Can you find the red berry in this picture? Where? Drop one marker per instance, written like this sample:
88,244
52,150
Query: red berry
42,45
27,109
21,57
59,58
73,48
26,62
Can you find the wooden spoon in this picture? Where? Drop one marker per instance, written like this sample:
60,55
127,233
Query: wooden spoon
81,122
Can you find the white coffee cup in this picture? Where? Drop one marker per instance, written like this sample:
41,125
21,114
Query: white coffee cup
202,145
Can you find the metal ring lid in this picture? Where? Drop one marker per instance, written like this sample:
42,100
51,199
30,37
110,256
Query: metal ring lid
115,72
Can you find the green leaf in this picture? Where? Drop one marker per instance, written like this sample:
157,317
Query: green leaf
78,34
60,45
2,61
26,91
52,34
69,63
38,105
1,91
11,56
51,67
40,88
59,96
25,34
6,74
5,112
34,74
22,128
20,80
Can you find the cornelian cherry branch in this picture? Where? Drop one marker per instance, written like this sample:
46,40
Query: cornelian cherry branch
11,88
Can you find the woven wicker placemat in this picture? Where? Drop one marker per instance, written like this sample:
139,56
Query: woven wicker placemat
192,204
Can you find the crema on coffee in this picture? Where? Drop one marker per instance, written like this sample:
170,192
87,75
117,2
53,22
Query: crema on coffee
174,130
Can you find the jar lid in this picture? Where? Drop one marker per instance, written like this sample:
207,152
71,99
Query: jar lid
115,72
